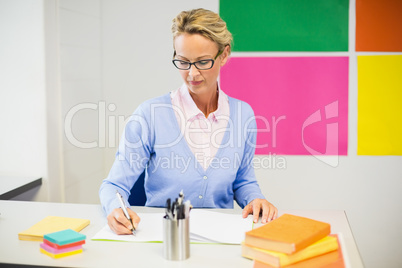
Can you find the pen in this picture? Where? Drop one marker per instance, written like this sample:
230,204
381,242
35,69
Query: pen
168,209
123,207
187,208
181,197
178,209
180,212
174,215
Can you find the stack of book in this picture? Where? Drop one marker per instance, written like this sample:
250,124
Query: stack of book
291,240
63,243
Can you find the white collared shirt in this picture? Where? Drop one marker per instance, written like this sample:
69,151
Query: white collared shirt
203,135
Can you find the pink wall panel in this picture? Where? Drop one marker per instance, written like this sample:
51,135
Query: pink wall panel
301,103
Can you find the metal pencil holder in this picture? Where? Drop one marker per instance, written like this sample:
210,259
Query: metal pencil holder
176,238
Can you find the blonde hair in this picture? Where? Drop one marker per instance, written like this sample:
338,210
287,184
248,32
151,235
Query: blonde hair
203,22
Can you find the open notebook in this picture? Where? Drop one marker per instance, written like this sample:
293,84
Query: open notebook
205,227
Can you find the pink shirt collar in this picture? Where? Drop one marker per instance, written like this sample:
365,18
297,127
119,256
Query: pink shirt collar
191,110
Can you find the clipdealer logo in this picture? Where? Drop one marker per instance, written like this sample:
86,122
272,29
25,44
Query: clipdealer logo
330,156
107,125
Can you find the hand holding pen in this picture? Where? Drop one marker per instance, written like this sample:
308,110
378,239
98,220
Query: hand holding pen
118,220
123,207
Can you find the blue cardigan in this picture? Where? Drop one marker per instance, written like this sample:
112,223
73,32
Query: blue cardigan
152,141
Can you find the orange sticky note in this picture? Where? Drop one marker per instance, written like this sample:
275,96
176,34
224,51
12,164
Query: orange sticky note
378,25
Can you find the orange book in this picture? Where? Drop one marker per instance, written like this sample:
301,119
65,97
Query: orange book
287,234
332,259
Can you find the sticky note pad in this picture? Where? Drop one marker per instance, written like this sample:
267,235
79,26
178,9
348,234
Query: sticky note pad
53,245
52,250
64,237
379,121
52,224
61,255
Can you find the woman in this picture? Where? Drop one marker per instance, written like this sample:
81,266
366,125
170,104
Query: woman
195,139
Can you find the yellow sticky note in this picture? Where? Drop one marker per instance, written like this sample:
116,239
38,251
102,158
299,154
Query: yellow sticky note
51,224
379,127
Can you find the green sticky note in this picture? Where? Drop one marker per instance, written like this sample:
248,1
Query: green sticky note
64,237
287,25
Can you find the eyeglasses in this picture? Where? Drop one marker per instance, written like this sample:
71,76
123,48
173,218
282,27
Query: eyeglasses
200,65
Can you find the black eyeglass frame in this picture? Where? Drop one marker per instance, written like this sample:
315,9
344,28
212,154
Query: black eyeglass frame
195,62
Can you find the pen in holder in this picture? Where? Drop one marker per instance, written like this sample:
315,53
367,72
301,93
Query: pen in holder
176,229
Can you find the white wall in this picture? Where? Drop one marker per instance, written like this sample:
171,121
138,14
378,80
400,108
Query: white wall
23,132
137,50
81,93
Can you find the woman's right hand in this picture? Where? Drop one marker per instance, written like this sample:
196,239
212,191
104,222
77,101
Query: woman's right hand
118,222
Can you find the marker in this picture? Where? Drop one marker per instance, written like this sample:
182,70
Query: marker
123,207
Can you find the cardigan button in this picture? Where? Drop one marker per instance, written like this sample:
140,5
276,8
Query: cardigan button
205,177
200,196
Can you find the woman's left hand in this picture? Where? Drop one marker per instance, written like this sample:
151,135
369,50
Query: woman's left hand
255,207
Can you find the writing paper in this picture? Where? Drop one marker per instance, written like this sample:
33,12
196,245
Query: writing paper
378,25
300,103
218,227
379,120
205,227
149,230
287,25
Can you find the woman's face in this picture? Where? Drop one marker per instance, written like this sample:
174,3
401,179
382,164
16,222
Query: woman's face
195,47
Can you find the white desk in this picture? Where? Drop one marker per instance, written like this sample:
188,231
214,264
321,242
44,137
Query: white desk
12,186
17,216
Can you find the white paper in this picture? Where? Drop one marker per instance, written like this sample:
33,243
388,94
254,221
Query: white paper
149,230
205,227
219,227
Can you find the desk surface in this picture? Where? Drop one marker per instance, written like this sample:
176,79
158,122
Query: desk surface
17,216
12,186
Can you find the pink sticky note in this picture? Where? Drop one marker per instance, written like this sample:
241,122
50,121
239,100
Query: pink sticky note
59,251
300,103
